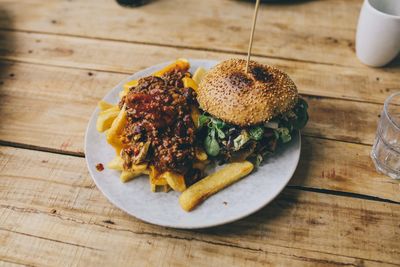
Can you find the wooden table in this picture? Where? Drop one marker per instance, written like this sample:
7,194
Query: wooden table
58,58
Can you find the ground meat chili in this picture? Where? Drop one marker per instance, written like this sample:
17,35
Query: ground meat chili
159,122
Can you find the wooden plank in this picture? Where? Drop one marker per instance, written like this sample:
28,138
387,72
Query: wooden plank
342,120
50,207
55,110
293,31
115,247
358,83
339,166
343,167
8,263
61,100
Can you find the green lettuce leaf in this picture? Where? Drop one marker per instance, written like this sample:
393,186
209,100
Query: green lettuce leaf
283,134
256,133
211,145
203,120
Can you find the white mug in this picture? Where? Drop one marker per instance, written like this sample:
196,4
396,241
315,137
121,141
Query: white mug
378,32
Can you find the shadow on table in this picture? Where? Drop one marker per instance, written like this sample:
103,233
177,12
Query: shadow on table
7,45
134,3
262,223
284,207
394,64
278,2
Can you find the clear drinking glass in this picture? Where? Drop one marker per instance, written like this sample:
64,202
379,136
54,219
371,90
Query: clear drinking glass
386,150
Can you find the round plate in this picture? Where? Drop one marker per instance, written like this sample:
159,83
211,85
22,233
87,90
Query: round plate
235,202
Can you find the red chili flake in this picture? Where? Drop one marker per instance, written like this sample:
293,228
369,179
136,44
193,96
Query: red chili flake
99,167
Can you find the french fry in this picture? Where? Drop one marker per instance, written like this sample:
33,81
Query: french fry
153,187
181,63
129,175
160,188
199,75
195,114
153,172
200,154
139,167
166,188
109,110
189,82
213,183
130,84
158,181
116,164
175,181
103,105
113,134
105,119
126,87
201,165
155,178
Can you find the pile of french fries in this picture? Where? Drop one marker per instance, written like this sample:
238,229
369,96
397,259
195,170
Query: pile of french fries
112,120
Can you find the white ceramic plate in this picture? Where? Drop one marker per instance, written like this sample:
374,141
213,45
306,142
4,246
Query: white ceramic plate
235,202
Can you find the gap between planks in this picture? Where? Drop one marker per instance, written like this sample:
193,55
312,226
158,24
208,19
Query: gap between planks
82,155
295,187
30,62
343,194
49,239
169,236
41,149
244,53
11,263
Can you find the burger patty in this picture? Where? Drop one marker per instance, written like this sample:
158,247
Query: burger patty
159,128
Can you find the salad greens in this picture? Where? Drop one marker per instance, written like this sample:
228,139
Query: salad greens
215,131
221,137
211,145
283,134
256,133
241,140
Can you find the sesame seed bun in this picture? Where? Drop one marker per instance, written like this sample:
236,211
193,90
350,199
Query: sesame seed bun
234,96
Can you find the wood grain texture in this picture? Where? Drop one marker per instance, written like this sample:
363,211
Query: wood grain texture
60,57
344,167
357,83
294,31
50,207
50,107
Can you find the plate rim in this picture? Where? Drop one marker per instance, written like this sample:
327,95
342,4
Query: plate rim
199,226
